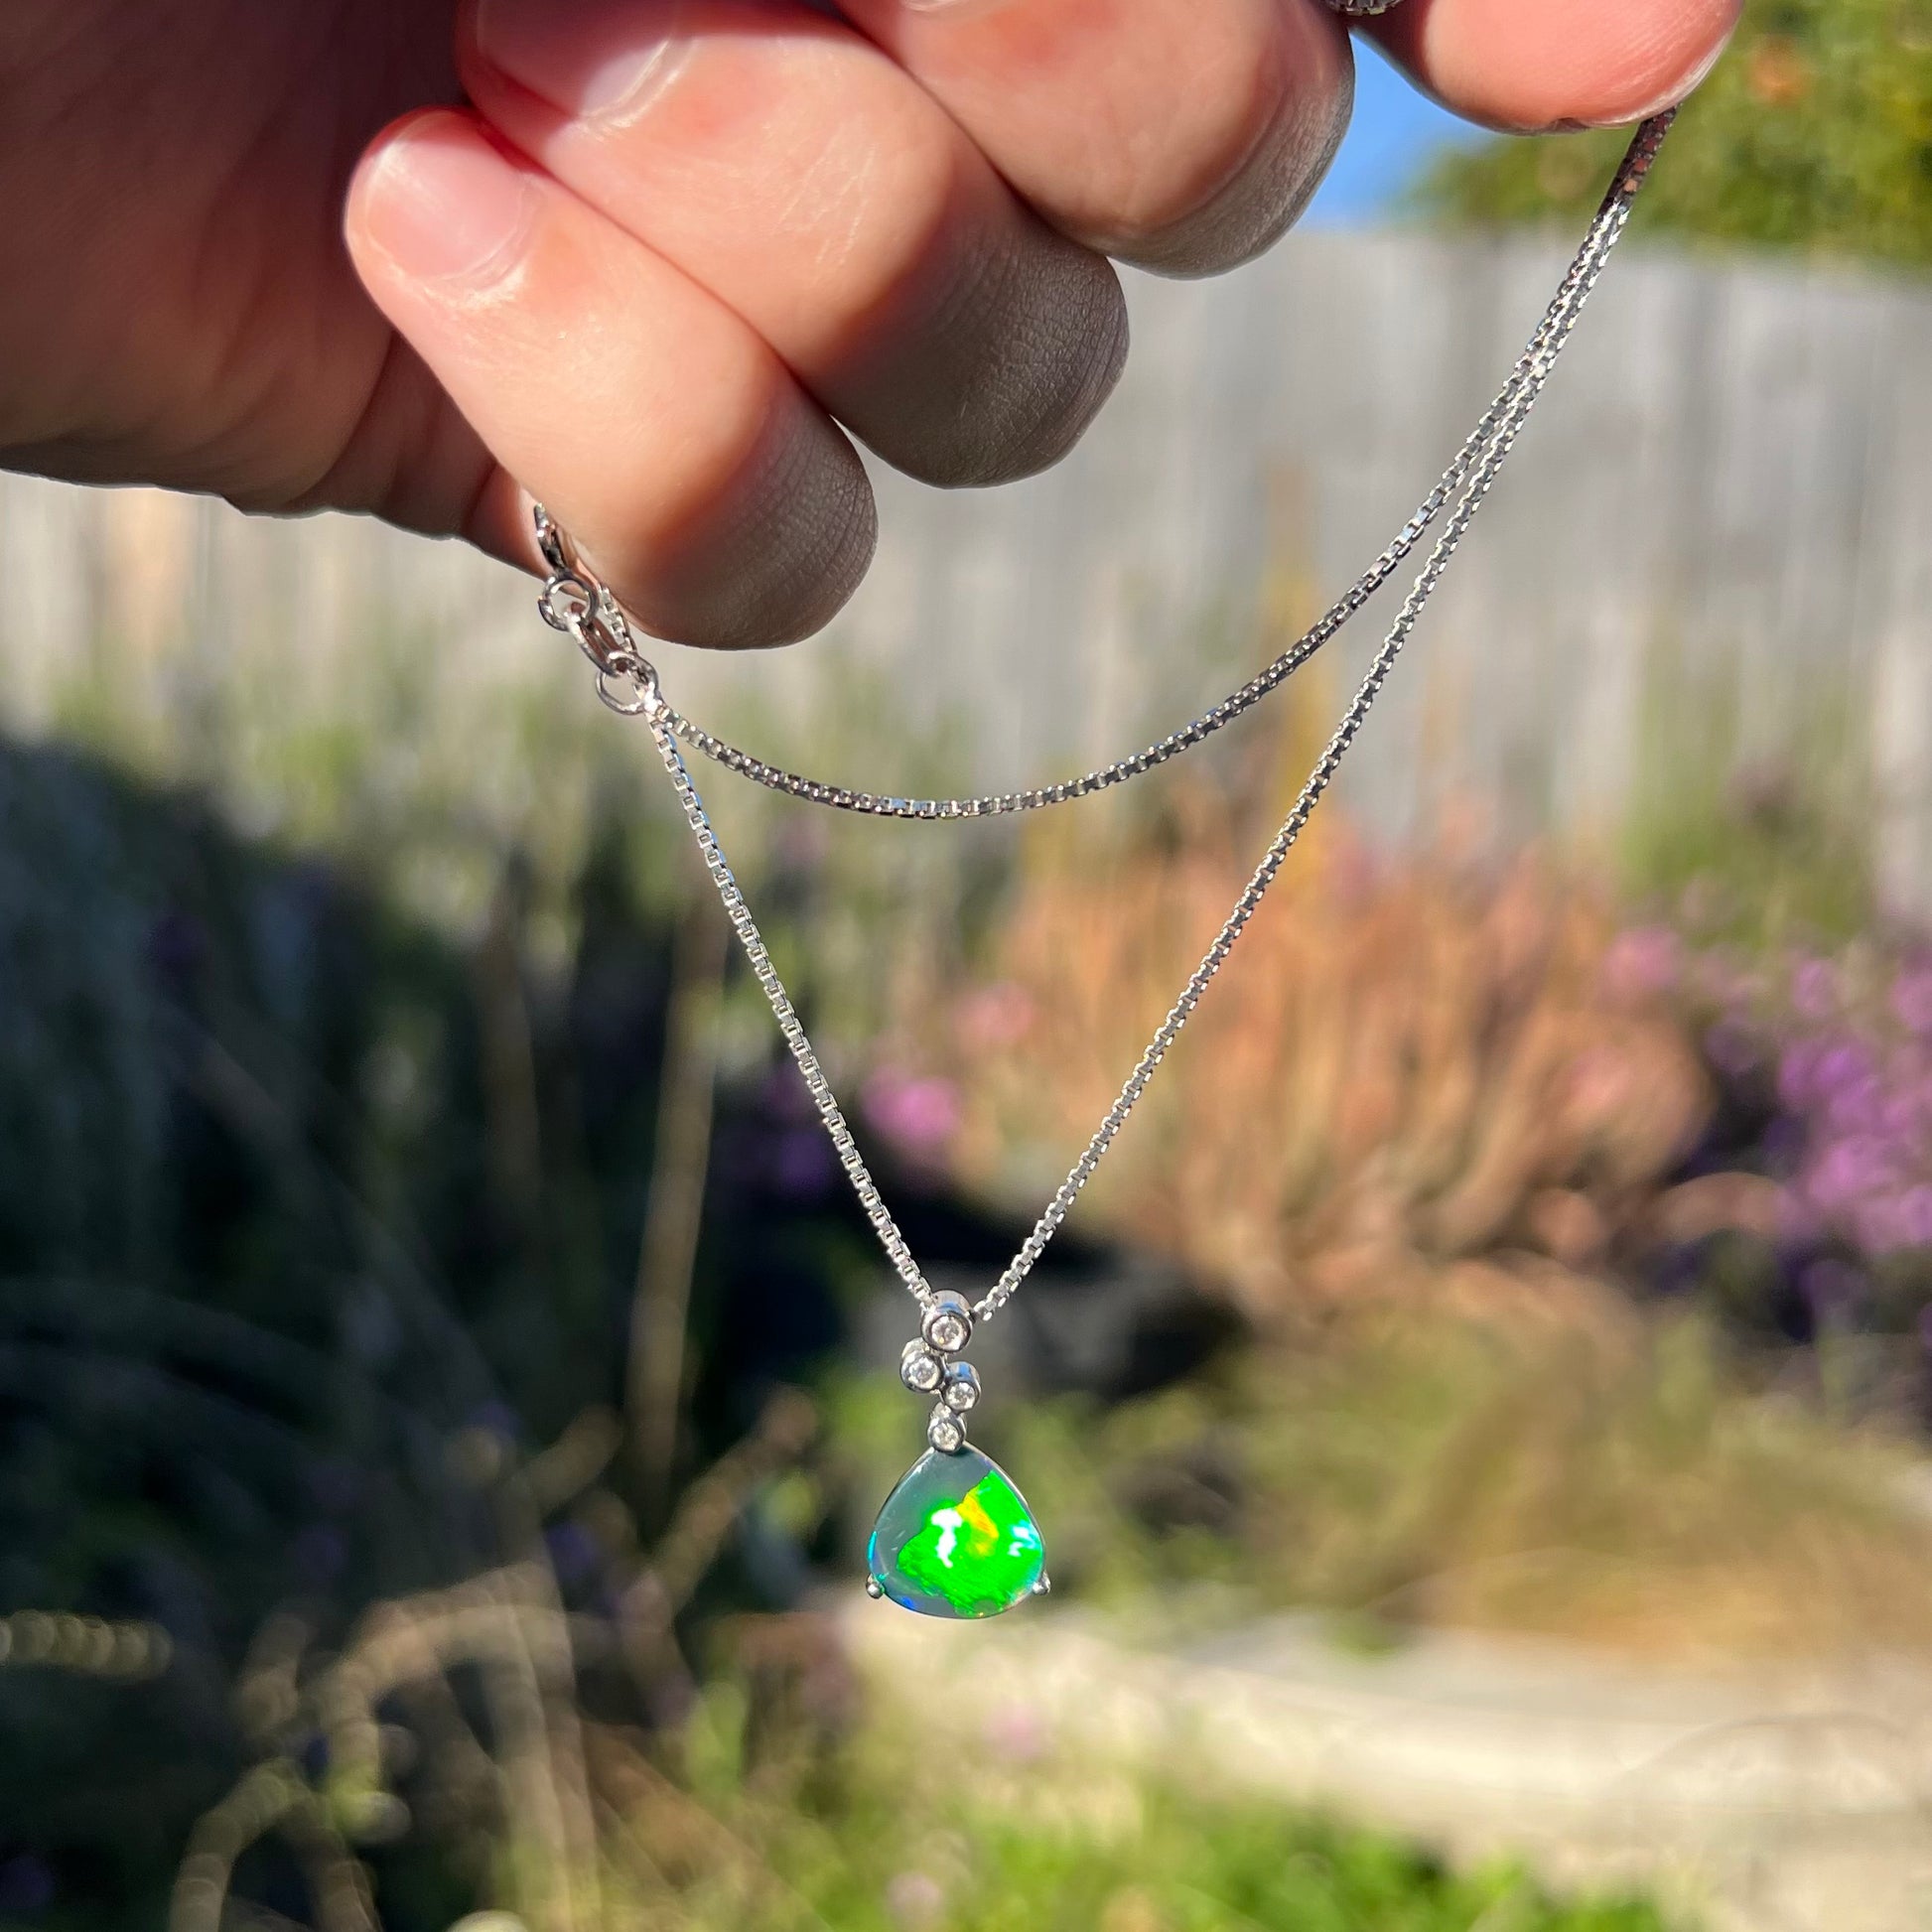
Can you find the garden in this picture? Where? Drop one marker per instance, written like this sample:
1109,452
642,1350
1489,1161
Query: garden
445,1384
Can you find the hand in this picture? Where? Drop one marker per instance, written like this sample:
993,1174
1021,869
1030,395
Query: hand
643,257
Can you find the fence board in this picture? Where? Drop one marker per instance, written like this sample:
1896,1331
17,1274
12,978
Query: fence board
1734,462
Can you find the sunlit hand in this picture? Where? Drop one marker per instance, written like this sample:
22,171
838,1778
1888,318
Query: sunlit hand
665,248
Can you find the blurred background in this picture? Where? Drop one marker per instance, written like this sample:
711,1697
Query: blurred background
1479,1416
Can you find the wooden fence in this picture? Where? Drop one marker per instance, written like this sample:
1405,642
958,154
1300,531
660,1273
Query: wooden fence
1722,508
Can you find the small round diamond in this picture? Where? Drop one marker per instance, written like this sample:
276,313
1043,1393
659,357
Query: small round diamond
949,1333
945,1430
962,1390
948,1323
920,1369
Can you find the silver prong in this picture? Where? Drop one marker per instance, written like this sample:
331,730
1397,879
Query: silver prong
1044,1587
875,1588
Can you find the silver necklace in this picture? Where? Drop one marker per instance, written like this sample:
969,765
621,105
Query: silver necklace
955,1537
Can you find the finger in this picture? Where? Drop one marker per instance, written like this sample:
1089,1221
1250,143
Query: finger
1180,134
714,497
787,165
1528,65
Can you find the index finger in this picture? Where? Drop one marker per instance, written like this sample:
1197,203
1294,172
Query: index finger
1529,64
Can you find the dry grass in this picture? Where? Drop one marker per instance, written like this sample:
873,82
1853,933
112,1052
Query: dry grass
1609,1488
1423,1131
1405,1067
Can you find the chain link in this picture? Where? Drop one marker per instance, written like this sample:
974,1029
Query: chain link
1506,414
791,1026
574,602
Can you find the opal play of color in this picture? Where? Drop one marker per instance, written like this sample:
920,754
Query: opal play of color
956,1538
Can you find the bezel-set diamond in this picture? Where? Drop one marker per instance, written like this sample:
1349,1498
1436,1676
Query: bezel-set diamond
945,1430
920,1369
962,1387
948,1323
926,1367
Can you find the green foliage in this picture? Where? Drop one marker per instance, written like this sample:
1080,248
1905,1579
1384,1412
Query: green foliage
1757,852
308,1215
1031,1841
1815,132
1578,1476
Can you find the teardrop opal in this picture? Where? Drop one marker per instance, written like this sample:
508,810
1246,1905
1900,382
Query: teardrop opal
956,1538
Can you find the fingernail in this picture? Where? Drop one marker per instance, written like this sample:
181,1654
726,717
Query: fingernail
445,206
594,60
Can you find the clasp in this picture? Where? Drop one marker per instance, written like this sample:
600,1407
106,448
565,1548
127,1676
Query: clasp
575,602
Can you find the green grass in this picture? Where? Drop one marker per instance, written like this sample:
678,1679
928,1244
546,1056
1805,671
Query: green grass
1758,853
1622,1487
921,1836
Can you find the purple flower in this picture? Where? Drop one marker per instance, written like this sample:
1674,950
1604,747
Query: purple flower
803,1166
784,1095
1844,1067
1911,996
1858,1106
1915,1215
1797,1074
1816,1072
921,1114
1899,1114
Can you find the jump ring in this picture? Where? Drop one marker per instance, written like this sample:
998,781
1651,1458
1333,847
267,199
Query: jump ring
565,600
626,664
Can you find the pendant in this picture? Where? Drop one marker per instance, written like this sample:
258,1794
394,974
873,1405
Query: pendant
955,1537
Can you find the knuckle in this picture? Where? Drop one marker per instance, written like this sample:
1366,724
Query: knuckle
1029,345
771,565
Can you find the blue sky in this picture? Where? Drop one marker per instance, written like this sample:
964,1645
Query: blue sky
1394,132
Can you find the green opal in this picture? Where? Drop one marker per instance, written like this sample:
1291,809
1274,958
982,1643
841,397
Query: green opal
956,1538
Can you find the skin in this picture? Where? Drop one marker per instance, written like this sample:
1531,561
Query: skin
661,261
